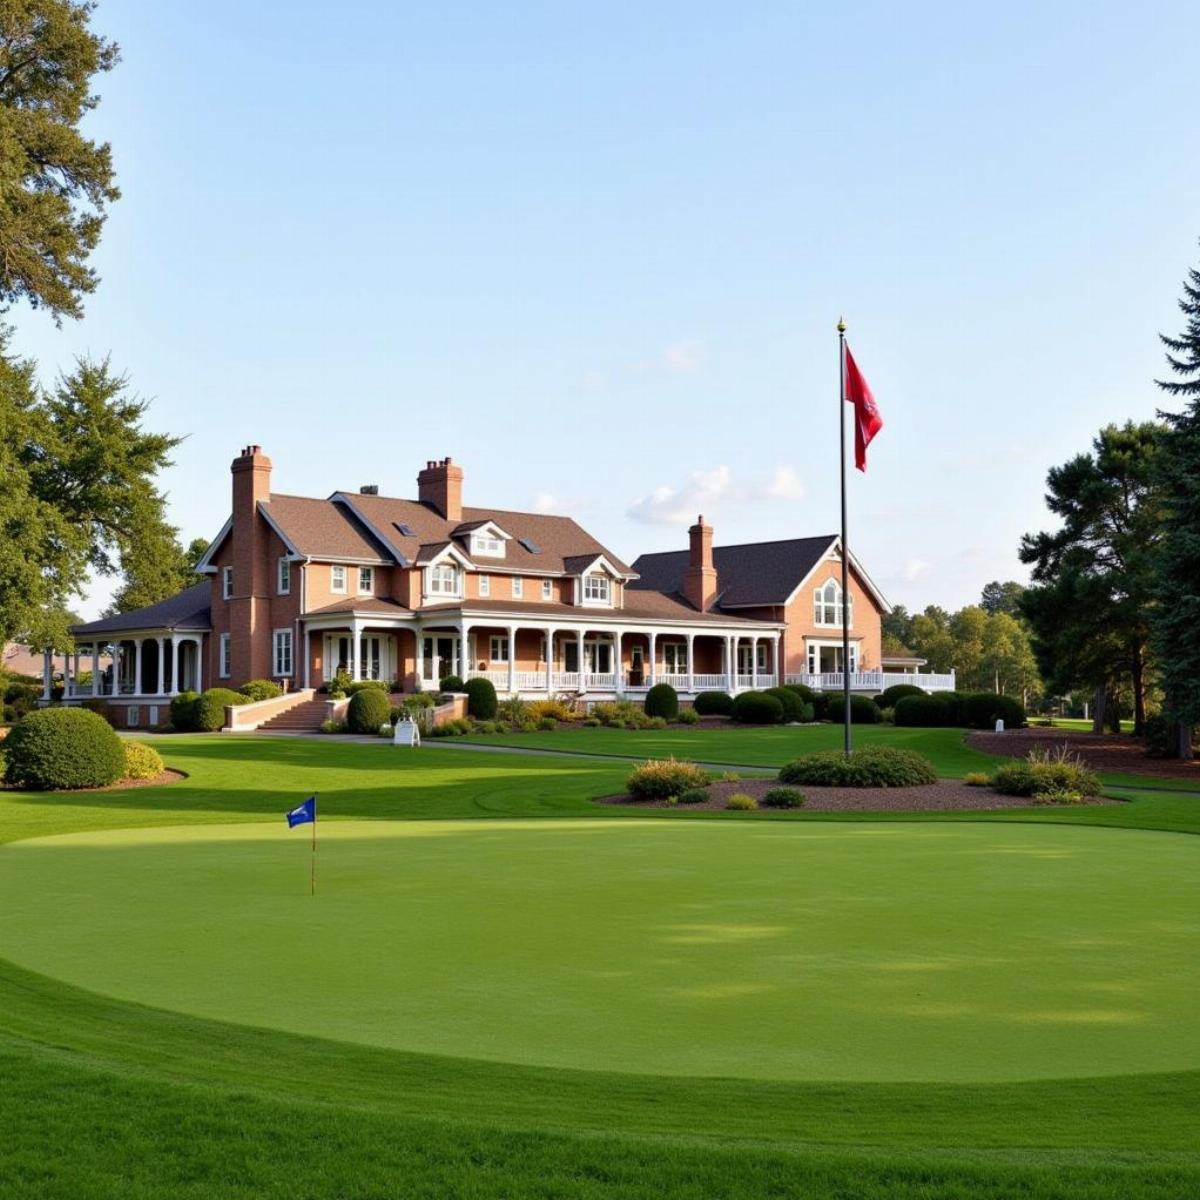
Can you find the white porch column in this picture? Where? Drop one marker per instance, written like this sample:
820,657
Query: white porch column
199,644
76,664
582,665
754,663
162,664
137,666
512,660
653,664
47,672
731,662
618,666
355,635
691,683
170,649
66,674
464,650
95,668
549,659
775,665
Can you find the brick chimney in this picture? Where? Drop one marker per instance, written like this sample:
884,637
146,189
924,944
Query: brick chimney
440,486
249,608
700,578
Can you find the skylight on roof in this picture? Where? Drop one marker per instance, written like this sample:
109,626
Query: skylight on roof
406,530
530,545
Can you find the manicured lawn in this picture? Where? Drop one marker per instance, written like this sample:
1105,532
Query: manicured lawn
897,927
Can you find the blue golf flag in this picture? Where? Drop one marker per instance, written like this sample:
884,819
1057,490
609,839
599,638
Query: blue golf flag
304,814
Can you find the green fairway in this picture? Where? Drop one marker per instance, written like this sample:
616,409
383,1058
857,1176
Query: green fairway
487,917
749,745
733,949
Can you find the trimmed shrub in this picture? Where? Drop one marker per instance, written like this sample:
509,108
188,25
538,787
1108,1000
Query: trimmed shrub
784,797
591,723
662,700
359,684
977,779
696,795
898,691
142,761
183,711
793,705
757,708
926,712
63,748
653,723
419,700
820,703
210,708
740,802
1044,772
863,710
368,709
981,710
657,779
547,725
688,716
875,766
802,690
713,704
260,689
554,708
450,683
332,726
481,699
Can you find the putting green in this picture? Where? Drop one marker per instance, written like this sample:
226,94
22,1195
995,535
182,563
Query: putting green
798,950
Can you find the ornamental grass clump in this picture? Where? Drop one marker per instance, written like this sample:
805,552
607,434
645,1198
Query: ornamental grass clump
741,802
874,766
1043,772
660,778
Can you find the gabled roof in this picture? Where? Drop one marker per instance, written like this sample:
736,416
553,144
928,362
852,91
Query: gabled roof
189,610
753,574
325,529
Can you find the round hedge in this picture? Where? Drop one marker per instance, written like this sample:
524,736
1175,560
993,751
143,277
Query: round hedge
922,711
793,705
897,692
367,710
209,708
142,761
63,748
757,708
863,710
183,711
662,700
981,710
874,766
481,699
713,704
802,690
450,683
260,689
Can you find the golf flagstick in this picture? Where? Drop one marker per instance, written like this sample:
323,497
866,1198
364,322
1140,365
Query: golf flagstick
312,873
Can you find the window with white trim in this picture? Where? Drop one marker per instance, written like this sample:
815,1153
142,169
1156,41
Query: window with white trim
284,579
485,585
283,652
366,581
225,656
547,589
443,579
226,583
488,545
675,658
133,716
499,648
827,605
518,585
337,578
597,589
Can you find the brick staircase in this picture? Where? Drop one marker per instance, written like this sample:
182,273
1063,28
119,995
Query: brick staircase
305,717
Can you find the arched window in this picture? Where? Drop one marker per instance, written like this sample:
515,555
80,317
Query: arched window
827,605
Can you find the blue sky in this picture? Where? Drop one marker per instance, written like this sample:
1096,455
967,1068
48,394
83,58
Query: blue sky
597,256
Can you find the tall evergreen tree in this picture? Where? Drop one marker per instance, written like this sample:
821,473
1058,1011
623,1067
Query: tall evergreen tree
1094,578
1177,614
54,182
1000,597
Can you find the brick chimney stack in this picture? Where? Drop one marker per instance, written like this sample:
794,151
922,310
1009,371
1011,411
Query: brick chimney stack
440,486
700,578
249,608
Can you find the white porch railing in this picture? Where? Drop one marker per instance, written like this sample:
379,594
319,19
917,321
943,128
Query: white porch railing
874,681
711,683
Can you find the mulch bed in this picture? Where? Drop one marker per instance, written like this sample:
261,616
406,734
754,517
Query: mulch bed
944,796
167,776
1116,753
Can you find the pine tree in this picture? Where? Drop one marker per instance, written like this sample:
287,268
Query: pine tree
1177,615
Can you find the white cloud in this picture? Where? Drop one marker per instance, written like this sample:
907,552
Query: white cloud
671,506
545,502
785,484
914,569
682,358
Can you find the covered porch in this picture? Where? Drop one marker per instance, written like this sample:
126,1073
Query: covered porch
157,664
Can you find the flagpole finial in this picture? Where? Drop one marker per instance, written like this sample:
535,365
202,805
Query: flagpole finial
841,325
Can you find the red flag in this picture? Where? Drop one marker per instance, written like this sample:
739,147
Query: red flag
867,421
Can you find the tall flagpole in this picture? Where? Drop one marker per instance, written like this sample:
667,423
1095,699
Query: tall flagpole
312,872
846,746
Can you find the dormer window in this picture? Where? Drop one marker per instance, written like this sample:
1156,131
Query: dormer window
443,579
597,589
827,605
486,544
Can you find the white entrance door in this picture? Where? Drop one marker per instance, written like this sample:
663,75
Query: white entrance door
374,656
441,655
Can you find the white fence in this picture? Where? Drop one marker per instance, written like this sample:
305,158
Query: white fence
874,681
